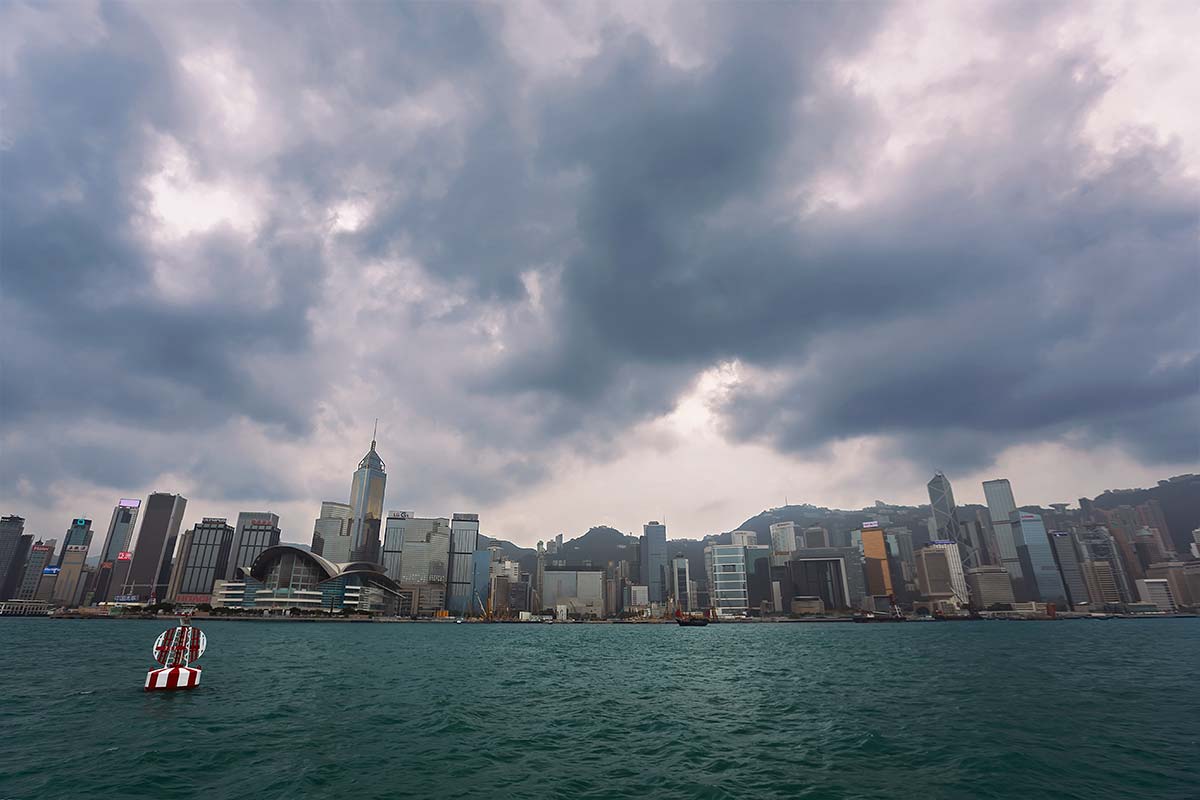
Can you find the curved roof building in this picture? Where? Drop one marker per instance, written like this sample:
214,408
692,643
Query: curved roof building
288,576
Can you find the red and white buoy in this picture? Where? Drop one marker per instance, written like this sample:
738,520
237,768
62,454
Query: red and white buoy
175,649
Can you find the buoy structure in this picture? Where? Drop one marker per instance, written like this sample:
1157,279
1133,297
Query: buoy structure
175,649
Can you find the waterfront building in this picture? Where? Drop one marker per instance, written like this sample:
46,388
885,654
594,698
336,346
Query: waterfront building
783,538
654,559
41,556
203,558
639,596
14,551
393,543
331,532
875,560
1102,585
464,541
1097,544
120,529
255,532
683,590
1182,578
1062,544
78,535
424,558
989,586
1194,546
833,574
150,570
580,589
940,573
366,506
726,568
69,585
760,597
1037,559
1158,592
1001,505
288,577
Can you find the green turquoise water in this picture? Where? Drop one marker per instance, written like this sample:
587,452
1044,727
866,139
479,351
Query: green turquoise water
1097,709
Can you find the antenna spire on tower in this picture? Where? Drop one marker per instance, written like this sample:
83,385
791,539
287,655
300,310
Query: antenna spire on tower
374,432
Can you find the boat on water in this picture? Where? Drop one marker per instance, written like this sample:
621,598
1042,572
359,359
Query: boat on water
689,620
894,613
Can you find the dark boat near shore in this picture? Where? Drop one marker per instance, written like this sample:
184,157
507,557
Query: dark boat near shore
691,622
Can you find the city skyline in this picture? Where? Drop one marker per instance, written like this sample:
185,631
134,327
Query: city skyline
818,251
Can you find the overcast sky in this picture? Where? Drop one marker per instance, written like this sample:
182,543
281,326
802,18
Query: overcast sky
594,264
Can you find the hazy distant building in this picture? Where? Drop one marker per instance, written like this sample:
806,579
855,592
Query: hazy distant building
580,590
41,556
78,535
424,562
954,571
366,507
683,589
1037,559
783,538
464,541
1158,592
203,558
121,527
875,560
989,586
150,571
68,586
1103,589
654,559
1183,579
14,550
1062,545
1097,544
1001,505
833,574
816,536
945,518
255,532
331,532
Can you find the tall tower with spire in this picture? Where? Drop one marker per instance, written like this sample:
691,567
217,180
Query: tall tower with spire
366,505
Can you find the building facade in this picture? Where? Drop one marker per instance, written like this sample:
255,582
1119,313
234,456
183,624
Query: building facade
464,541
331,532
150,570
726,567
1042,577
255,532
14,551
78,535
120,529
1001,505
654,560
366,506
203,558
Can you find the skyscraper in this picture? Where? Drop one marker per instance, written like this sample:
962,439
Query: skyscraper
14,550
41,555
255,532
783,538
464,541
331,532
958,580
946,521
1001,505
120,529
1098,545
726,567
150,570
78,535
875,561
1037,559
654,560
366,506
681,585
1067,558
68,588
203,558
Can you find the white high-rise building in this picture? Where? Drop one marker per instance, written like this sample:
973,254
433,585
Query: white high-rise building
726,566
783,538
1158,592
1000,505
743,538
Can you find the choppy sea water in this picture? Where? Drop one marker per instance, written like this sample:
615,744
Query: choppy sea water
1096,709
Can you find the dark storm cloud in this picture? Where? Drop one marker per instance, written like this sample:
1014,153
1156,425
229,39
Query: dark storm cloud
1008,284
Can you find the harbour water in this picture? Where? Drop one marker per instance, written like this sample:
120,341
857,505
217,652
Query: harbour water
1095,709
